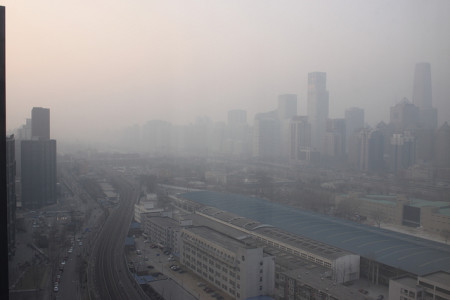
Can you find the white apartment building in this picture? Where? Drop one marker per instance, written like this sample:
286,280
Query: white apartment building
239,270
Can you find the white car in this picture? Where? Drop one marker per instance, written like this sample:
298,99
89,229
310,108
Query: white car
55,288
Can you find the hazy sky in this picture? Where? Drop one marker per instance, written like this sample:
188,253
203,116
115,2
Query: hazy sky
110,64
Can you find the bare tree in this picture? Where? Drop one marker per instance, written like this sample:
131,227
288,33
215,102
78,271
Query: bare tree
348,208
378,216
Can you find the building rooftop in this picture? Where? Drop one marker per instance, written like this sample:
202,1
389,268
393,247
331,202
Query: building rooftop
406,281
381,199
424,203
222,240
443,278
164,221
412,254
275,233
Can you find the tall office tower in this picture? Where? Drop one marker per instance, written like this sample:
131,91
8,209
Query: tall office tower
266,136
300,136
404,116
403,151
425,145
318,101
443,146
40,123
11,193
354,121
38,173
371,150
237,116
422,96
335,138
287,106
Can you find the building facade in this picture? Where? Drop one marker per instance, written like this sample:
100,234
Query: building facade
317,108
239,270
38,173
11,193
40,123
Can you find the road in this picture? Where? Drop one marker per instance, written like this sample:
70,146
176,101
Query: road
107,271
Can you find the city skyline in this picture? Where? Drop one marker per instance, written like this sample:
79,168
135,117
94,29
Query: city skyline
177,62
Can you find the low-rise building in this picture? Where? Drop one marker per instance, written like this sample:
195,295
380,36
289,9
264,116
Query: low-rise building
240,270
164,232
430,286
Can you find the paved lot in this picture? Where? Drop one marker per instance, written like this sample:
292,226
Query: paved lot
187,280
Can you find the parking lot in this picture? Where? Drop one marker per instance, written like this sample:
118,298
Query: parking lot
168,265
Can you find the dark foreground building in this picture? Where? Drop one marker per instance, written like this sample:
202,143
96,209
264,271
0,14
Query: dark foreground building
38,173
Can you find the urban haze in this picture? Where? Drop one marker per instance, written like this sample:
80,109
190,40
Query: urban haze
226,149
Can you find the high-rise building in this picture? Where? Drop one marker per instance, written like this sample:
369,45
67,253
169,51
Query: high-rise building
404,116
335,138
369,147
40,123
266,136
443,146
354,121
38,179
11,193
300,136
422,96
403,151
317,108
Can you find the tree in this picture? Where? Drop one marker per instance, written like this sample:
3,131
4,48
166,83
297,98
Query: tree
378,216
347,208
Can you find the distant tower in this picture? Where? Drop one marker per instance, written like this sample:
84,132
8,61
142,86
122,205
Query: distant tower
335,138
422,96
404,116
300,136
443,146
354,121
40,123
403,151
370,150
266,136
318,101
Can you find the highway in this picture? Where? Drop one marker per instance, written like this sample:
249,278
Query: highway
108,272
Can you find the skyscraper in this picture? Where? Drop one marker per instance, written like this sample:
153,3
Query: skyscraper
318,101
38,177
422,96
40,123
11,193
354,120
38,162
300,136
404,116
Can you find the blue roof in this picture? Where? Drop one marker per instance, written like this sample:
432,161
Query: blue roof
409,253
135,225
129,241
144,279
